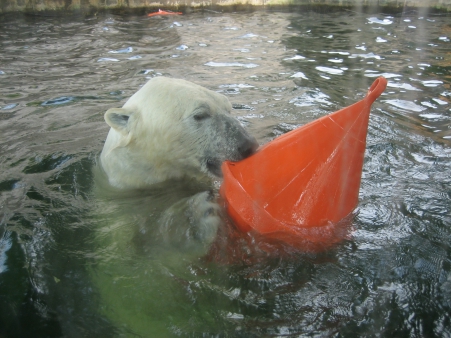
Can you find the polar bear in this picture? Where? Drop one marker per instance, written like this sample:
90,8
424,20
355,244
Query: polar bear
171,136
155,213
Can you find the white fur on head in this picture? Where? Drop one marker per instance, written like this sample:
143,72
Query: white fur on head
143,145
160,133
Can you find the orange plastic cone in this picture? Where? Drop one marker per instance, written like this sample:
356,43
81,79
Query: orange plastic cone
160,13
302,184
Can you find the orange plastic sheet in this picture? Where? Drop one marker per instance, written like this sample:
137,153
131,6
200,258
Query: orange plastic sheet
304,185
160,12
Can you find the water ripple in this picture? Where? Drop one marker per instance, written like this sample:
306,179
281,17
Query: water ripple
10,106
231,64
392,277
406,86
122,51
376,20
365,56
406,105
107,60
328,70
58,101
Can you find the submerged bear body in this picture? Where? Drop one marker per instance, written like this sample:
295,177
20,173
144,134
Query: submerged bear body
156,212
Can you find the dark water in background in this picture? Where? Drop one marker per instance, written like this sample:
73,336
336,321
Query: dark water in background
280,70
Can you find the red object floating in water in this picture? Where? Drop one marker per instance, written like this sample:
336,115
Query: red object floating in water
304,184
160,12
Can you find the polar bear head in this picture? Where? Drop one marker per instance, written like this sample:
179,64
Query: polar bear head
171,129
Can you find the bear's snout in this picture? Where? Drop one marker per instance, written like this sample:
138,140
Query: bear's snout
244,144
248,147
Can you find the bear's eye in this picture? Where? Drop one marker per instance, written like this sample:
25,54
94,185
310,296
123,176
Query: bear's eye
201,116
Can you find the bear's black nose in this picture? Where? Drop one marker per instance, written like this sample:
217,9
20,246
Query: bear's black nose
248,147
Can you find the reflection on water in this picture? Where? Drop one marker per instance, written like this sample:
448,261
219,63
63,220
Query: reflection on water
280,70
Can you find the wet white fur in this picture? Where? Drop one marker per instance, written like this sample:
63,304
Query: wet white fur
159,141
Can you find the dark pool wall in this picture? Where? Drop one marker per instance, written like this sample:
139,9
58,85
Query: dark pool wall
33,6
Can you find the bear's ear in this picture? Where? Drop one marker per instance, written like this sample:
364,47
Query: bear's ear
117,118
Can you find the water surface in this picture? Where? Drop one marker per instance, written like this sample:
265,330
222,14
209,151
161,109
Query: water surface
280,70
